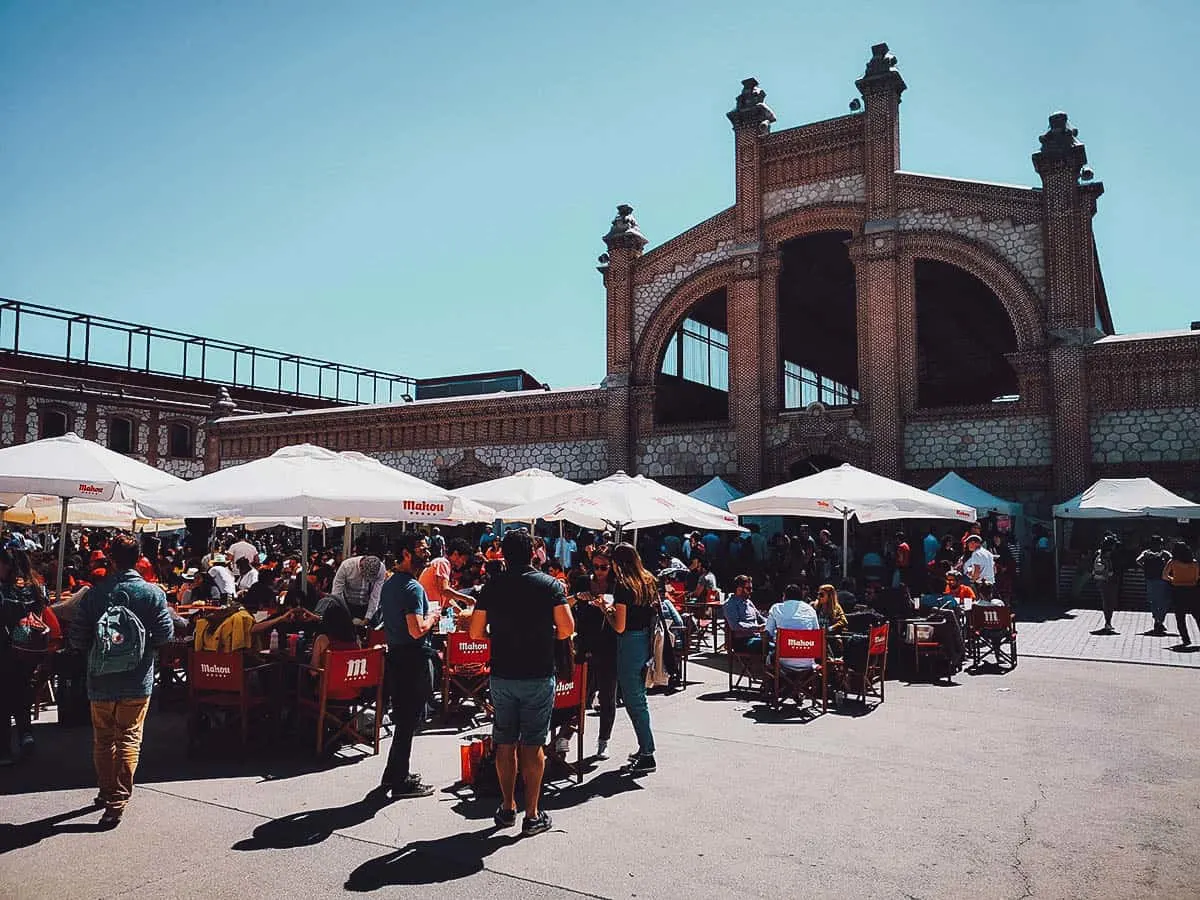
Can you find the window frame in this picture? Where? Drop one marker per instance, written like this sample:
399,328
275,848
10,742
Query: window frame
133,433
191,440
68,418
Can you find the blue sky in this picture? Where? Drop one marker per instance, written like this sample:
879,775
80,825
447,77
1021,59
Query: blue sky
421,187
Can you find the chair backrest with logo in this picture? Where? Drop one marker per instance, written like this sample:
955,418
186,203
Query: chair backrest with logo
377,638
568,694
792,643
347,672
877,640
991,618
462,650
213,672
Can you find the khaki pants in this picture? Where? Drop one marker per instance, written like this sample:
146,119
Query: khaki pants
116,745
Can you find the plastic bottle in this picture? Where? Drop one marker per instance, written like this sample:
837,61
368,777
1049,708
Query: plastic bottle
273,646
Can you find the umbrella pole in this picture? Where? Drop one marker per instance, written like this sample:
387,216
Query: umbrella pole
304,553
845,542
347,539
1054,523
62,549
562,540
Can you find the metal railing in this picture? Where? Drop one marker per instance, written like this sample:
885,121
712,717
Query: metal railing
45,332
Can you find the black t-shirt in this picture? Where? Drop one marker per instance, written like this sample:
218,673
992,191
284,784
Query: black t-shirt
593,635
1153,562
637,618
520,616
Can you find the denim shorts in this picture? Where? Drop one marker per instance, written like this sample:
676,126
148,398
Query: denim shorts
522,710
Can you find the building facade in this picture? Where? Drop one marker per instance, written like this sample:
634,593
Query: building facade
842,309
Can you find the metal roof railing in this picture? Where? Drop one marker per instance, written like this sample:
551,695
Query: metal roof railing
45,332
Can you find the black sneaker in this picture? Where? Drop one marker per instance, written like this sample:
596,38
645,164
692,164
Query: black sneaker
110,819
411,788
539,823
643,765
505,818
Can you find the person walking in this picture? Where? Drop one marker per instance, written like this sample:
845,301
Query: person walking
1104,573
407,620
635,599
523,612
1182,573
596,643
1152,561
113,617
20,595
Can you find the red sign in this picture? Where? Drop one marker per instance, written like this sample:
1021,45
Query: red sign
210,671
568,694
878,640
90,489
425,506
462,649
796,644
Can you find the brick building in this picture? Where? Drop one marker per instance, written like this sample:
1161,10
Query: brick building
842,309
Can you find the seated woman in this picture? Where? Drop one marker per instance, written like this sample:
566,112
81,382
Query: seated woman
832,617
337,633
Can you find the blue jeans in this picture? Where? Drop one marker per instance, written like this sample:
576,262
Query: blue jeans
523,707
633,650
1158,593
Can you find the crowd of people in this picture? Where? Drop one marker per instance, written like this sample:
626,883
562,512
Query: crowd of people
529,594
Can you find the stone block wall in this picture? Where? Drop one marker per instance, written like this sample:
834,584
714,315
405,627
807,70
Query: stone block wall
841,189
577,460
1020,244
681,454
977,443
1169,434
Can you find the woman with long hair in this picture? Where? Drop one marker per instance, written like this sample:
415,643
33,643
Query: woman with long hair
21,595
594,622
635,599
1182,573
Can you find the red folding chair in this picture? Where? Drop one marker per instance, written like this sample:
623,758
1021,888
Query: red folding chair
991,632
872,684
222,681
747,668
343,693
798,684
572,695
465,672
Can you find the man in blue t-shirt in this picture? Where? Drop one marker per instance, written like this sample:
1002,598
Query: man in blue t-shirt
408,621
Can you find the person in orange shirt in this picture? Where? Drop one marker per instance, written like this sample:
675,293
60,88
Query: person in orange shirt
955,587
494,551
435,577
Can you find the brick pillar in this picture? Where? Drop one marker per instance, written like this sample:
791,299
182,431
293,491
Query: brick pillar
751,119
770,364
222,407
1067,208
874,256
89,422
625,243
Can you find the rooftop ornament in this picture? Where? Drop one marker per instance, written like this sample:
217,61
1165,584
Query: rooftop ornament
624,232
751,110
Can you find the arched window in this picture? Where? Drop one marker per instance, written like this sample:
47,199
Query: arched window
180,442
121,434
693,381
53,423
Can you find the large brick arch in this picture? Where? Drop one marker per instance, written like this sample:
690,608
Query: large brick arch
1010,287
812,220
664,320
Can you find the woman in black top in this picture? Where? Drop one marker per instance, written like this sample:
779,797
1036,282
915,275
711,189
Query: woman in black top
596,642
635,595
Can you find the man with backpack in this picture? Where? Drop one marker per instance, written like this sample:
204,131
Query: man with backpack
120,624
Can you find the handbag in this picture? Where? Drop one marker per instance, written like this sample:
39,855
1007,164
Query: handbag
31,634
564,659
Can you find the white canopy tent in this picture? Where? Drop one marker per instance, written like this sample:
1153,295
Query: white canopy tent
70,468
953,486
846,491
526,486
306,481
622,502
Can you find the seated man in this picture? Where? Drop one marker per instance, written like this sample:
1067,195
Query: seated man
706,582
742,616
793,613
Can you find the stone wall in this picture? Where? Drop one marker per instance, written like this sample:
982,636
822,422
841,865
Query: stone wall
842,189
704,453
1169,434
648,297
1021,244
577,460
987,443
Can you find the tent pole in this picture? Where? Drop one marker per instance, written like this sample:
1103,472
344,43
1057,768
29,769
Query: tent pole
845,543
304,554
347,539
62,549
1054,523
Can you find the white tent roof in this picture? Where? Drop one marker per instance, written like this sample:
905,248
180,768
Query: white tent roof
620,501
69,466
304,480
1127,498
953,486
847,490
717,492
526,486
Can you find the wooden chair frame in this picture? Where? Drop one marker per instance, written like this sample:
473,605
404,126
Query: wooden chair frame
201,694
875,675
465,672
574,696
991,632
341,715
800,681
752,671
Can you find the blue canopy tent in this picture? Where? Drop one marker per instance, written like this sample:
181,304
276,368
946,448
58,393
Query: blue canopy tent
717,492
953,486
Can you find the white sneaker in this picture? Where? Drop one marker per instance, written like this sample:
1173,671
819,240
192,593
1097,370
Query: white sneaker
602,750
562,746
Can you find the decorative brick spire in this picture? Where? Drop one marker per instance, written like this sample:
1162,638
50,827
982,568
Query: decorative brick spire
1061,146
223,406
751,110
881,73
624,232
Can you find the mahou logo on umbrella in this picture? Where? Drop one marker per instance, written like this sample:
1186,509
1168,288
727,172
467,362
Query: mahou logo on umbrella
90,490
428,507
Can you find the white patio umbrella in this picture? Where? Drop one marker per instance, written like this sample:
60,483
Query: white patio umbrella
846,491
443,506
306,481
621,502
42,509
526,486
69,468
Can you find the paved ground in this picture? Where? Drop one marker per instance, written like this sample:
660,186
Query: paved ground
1061,779
1071,634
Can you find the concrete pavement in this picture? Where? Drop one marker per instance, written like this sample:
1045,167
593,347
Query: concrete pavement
1061,779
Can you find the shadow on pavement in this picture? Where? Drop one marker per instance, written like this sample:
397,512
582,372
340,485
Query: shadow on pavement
303,829
1041,612
14,837
430,862
554,795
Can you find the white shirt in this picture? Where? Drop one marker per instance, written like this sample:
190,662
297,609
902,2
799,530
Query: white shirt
247,581
243,550
794,615
349,585
224,580
986,563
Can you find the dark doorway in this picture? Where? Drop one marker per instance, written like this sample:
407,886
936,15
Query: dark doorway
963,334
811,465
692,384
818,321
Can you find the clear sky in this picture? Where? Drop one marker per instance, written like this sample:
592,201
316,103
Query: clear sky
421,187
